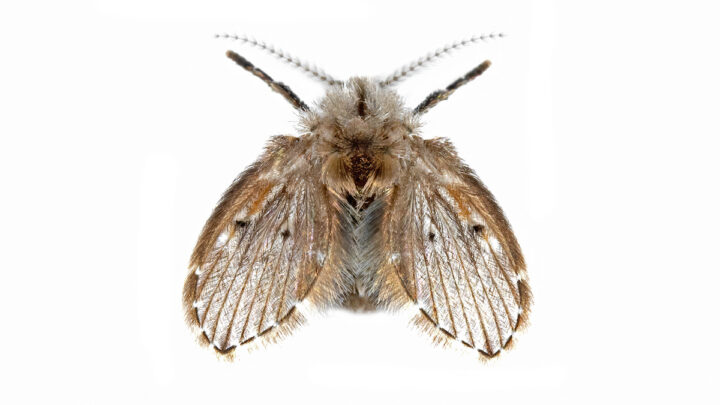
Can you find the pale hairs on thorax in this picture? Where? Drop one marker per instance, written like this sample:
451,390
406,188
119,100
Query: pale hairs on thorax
359,212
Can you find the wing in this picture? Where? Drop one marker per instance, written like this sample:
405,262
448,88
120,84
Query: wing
452,252
271,243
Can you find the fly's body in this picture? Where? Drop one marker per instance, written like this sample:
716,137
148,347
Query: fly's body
358,211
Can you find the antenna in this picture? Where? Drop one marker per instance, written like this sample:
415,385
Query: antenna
408,70
313,70
440,95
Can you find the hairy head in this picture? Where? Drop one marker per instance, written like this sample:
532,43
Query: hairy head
360,125
358,110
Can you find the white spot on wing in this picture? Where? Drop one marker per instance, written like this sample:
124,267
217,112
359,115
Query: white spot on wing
320,258
241,216
395,258
495,244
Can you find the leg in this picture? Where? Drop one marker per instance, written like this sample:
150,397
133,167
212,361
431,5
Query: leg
440,95
279,87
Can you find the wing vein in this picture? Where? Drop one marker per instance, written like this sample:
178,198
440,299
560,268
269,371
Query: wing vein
444,235
271,286
512,285
215,261
497,325
497,289
295,249
469,285
222,276
250,272
260,238
418,225
448,208
416,282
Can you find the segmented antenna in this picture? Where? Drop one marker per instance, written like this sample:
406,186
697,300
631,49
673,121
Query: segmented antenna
313,70
407,70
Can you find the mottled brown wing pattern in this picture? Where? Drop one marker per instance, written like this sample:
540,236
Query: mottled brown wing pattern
271,243
453,252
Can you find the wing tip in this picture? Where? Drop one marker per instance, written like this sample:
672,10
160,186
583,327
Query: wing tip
273,334
445,339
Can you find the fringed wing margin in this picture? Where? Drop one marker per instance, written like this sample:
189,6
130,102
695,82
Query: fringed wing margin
452,253
275,240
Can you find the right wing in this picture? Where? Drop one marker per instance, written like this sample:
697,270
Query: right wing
273,241
451,252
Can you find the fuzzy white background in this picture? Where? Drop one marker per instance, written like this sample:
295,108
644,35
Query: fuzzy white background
596,128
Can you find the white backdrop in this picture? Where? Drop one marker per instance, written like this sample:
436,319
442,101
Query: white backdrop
596,128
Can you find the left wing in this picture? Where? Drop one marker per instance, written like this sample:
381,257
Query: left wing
274,241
